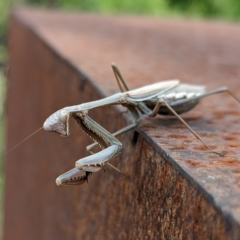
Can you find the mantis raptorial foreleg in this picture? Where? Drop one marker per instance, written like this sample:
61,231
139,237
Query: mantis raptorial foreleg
136,120
106,140
92,163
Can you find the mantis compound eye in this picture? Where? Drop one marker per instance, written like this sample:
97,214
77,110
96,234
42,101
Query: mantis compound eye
47,127
63,115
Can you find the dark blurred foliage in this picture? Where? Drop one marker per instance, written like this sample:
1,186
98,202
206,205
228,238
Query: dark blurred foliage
202,8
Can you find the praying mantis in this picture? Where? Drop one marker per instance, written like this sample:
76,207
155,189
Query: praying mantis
166,97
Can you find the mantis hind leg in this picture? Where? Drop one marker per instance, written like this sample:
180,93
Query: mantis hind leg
162,102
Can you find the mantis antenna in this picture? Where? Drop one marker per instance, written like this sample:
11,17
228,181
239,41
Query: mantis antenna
23,140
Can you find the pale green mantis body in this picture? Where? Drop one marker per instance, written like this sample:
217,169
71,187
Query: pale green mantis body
166,97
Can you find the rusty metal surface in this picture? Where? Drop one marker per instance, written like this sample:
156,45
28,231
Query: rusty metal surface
177,189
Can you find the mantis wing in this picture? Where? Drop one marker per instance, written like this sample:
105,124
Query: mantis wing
150,91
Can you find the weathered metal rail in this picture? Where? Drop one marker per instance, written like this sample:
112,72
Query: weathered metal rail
175,188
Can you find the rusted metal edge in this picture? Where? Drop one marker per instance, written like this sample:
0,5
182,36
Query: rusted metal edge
166,155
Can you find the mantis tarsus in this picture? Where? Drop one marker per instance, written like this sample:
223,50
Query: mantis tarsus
167,97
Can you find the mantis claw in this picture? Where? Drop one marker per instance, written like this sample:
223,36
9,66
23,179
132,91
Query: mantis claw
73,177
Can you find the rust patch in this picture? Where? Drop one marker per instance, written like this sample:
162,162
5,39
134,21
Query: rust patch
204,148
194,163
177,147
176,136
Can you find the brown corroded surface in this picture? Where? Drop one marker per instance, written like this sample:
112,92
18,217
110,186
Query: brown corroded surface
173,188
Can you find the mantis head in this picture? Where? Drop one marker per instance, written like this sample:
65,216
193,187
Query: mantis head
58,122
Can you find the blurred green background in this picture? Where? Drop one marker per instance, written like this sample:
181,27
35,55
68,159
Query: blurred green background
214,9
